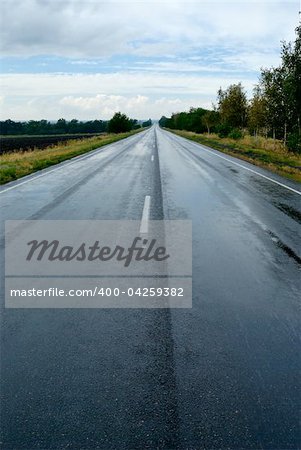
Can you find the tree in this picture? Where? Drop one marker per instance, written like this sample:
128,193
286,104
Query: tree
62,126
281,87
120,123
147,123
194,120
11,127
291,66
134,124
257,113
210,119
163,122
73,126
232,106
272,86
190,121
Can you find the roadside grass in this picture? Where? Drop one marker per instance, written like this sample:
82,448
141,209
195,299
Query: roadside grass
265,153
17,164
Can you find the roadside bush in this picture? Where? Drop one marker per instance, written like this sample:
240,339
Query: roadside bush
235,134
223,130
294,142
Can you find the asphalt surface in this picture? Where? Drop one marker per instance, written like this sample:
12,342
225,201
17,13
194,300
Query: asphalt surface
222,375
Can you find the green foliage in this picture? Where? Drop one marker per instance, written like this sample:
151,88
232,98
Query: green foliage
190,121
120,123
147,123
43,127
223,130
62,126
236,133
164,122
232,105
210,119
257,112
271,84
8,174
281,87
294,142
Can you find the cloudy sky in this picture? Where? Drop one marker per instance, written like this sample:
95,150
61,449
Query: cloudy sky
87,59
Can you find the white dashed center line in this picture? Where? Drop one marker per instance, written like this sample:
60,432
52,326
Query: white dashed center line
145,215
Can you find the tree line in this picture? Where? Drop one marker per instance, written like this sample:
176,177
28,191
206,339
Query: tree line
273,111
44,127
118,124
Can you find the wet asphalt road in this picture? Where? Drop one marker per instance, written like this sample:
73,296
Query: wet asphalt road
222,375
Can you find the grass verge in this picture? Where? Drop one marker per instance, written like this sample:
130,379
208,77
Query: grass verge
18,164
261,152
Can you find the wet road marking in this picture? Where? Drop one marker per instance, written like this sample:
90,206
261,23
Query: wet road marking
152,158
145,215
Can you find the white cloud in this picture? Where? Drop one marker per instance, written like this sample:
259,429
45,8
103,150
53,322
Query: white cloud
100,95
90,28
104,105
98,107
119,83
